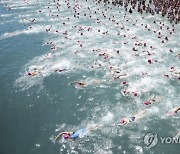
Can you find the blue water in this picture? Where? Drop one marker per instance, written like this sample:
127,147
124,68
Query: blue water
35,109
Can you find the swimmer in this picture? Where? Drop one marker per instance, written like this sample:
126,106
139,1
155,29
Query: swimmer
120,76
79,84
48,29
84,84
33,73
60,70
151,100
80,133
125,121
174,111
48,56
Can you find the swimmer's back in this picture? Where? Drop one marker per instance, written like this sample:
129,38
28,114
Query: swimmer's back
76,134
79,133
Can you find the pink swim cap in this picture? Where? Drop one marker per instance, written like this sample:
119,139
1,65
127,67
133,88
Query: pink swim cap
66,136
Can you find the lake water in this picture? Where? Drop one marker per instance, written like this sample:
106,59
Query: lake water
45,37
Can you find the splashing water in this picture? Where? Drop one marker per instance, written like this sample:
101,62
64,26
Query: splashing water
122,58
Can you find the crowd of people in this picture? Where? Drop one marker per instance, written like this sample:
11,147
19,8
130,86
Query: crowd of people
142,5
168,8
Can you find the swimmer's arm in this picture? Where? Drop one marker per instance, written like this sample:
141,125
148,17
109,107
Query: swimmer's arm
151,98
118,124
58,136
175,110
121,124
62,134
178,109
74,82
123,75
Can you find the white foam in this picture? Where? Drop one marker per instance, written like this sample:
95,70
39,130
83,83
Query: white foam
108,118
63,64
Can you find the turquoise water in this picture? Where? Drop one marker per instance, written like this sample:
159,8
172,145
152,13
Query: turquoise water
35,109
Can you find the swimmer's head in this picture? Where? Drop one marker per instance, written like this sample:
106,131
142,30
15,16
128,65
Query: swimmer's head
147,102
66,136
122,120
81,84
133,118
29,74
